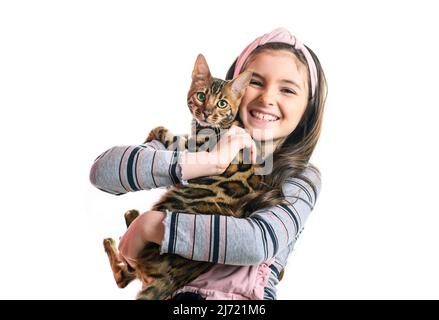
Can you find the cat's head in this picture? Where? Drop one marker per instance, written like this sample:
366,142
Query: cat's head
215,102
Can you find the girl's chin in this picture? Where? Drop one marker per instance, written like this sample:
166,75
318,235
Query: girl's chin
262,131
262,134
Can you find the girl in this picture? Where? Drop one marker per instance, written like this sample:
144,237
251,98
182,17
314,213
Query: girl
284,104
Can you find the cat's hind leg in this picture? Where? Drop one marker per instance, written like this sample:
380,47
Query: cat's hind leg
121,273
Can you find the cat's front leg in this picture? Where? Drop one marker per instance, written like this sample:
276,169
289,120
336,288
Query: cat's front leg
160,134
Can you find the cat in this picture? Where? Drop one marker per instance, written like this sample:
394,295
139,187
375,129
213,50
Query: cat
214,105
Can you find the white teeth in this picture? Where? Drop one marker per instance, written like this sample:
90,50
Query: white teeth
263,116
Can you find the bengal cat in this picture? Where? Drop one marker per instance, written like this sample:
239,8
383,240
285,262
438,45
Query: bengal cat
214,104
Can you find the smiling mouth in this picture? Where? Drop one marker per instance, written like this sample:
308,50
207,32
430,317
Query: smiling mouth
263,116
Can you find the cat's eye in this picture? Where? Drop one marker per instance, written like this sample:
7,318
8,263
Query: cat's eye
222,104
201,96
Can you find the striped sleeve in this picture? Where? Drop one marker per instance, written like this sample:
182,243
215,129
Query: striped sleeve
249,241
122,169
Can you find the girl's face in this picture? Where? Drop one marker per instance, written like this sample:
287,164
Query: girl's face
277,96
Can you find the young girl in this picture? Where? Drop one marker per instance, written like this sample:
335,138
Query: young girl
284,104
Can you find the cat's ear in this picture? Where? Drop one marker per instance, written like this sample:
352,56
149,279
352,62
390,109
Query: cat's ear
201,70
240,83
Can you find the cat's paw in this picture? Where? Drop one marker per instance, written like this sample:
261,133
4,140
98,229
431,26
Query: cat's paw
109,245
130,216
160,134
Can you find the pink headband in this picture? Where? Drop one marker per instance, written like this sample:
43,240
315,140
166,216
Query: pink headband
284,36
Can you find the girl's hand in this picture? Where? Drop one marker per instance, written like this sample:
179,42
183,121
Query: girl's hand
147,227
230,144
203,163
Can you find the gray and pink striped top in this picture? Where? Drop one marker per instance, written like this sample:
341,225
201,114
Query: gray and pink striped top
267,233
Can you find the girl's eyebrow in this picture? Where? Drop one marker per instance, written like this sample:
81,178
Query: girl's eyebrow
283,80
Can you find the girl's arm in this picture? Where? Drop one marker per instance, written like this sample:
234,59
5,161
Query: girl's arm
228,240
122,169
250,241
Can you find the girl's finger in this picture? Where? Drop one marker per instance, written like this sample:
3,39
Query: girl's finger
241,141
230,146
248,142
254,152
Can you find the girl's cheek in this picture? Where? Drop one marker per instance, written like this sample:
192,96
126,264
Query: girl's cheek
242,108
240,112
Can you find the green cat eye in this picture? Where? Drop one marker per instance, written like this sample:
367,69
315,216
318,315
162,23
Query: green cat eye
222,104
201,96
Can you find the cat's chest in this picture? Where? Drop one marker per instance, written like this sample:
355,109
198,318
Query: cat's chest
236,182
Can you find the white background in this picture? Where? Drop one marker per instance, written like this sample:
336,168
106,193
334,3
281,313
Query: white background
77,77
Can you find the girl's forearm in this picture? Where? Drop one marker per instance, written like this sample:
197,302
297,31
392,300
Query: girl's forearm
114,171
154,229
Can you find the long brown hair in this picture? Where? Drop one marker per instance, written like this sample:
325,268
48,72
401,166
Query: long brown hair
292,156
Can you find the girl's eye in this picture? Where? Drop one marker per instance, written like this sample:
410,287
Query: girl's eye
256,83
201,96
222,104
288,91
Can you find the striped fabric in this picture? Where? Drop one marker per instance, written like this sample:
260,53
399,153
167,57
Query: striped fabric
123,169
267,233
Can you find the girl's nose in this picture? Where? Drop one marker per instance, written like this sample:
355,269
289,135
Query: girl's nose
267,98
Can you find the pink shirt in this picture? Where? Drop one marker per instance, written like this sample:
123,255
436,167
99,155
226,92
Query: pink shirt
227,282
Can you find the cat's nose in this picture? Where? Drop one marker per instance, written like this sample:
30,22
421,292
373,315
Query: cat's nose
207,113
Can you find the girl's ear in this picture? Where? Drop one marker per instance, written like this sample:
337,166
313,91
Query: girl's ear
240,84
201,70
